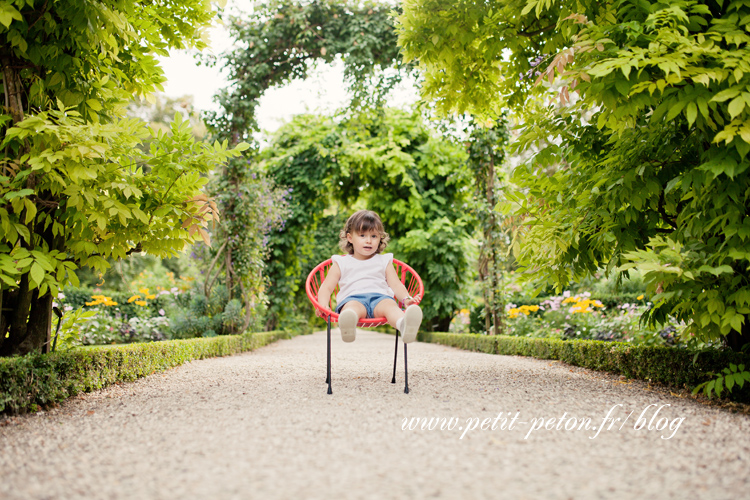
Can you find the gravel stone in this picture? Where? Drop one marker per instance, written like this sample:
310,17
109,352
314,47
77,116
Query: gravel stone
261,425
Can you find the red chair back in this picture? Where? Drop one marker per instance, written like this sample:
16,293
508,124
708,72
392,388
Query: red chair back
406,274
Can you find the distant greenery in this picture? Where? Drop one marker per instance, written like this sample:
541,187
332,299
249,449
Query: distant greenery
398,166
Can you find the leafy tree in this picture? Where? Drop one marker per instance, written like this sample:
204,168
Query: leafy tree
75,187
642,154
281,39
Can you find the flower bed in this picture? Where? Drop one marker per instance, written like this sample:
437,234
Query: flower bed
582,317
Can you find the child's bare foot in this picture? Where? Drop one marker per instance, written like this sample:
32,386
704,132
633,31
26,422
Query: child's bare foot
409,324
348,325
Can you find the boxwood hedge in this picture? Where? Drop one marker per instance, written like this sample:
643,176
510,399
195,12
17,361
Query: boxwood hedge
35,381
666,365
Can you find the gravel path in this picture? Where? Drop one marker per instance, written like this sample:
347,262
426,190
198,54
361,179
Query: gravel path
260,425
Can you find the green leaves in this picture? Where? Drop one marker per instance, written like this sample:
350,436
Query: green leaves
8,14
108,203
361,34
727,379
647,167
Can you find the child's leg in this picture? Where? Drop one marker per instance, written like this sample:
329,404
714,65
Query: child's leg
388,309
407,322
349,316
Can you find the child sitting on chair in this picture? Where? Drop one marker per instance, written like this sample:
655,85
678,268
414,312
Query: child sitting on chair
368,281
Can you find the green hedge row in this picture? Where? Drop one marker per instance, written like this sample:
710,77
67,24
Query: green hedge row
661,364
35,381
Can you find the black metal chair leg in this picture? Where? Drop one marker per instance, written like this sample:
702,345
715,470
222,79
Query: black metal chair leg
328,377
395,356
406,373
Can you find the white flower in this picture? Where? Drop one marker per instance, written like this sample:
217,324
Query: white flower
162,312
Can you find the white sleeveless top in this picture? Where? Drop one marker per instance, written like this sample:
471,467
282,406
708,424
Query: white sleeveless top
363,276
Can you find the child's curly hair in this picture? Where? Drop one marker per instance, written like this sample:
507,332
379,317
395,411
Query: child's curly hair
364,220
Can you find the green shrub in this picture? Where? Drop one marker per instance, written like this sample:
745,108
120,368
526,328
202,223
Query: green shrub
661,364
35,381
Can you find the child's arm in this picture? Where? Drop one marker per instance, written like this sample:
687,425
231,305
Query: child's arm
329,285
402,294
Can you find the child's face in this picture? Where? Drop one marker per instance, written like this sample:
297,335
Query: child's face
365,243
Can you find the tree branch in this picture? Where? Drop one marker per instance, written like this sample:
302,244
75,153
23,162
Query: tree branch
537,32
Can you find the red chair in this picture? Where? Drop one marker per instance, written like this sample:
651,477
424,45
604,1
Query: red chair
408,277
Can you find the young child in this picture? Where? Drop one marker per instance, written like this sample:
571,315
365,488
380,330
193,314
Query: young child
368,281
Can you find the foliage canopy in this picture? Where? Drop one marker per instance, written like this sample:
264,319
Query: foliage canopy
638,129
75,187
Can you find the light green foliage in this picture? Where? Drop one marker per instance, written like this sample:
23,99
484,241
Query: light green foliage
76,189
104,196
96,55
639,136
280,41
471,52
69,335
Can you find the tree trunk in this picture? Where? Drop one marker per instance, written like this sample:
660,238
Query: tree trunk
485,291
443,324
26,320
13,90
493,265
736,340
39,327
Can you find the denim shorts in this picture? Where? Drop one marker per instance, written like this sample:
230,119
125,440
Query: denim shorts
369,300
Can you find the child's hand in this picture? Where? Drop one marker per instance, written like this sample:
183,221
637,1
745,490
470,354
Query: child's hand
409,301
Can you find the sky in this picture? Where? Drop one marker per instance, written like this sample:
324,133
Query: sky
323,91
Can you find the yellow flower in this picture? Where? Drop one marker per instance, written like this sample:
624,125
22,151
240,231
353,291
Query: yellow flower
101,299
134,297
143,290
141,302
464,311
571,299
150,297
640,297
581,307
